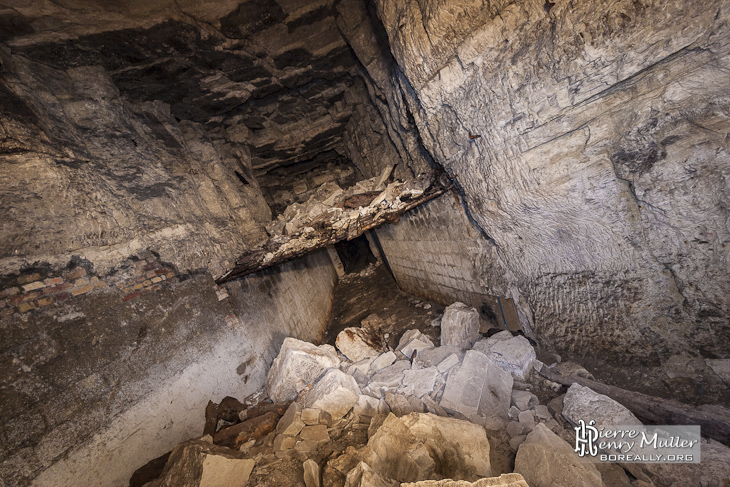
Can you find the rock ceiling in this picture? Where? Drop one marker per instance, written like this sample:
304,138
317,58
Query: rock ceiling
276,77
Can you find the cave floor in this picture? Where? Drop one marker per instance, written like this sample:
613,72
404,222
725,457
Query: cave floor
374,290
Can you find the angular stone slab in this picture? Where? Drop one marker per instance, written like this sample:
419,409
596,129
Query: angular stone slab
460,326
583,403
420,381
298,364
336,393
514,354
357,343
480,390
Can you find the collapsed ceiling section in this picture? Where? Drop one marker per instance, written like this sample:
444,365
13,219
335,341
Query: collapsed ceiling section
275,79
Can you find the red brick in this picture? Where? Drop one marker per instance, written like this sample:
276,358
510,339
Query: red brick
62,296
28,278
82,290
94,279
151,274
162,271
11,291
99,285
81,282
76,273
132,296
45,301
156,279
34,285
149,267
57,289
138,286
21,298
54,281
147,283
170,275
23,307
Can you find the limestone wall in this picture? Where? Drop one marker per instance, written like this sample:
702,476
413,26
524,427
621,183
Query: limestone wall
590,142
435,252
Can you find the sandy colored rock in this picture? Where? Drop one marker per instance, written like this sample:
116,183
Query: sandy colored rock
358,343
545,460
504,480
198,463
311,473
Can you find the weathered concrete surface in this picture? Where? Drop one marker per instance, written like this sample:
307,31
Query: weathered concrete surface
600,170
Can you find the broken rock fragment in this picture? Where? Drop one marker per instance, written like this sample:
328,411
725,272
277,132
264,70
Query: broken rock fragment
546,460
358,343
504,480
460,326
480,390
514,354
198,463
583,403
413,341
336,393
298,365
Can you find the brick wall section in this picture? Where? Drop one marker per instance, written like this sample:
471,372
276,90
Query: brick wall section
30,291
435,252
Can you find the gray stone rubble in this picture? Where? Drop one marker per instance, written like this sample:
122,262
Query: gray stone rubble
456,415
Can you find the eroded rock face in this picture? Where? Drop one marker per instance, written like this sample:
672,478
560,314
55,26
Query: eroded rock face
585,157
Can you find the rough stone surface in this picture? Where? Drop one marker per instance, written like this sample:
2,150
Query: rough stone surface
459,326
335,393
420,381
416,446
583,403
582,181
200,464
514,354
545,460
298,365
480,390
311,473
413,341
504,480
524,400
358,344
291,423
383,360
721,367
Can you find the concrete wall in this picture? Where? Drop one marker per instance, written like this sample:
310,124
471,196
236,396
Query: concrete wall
97,384
436,252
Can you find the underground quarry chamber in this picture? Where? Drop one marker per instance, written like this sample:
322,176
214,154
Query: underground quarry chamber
332,243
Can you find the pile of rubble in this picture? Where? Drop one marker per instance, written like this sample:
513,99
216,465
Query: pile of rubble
458,414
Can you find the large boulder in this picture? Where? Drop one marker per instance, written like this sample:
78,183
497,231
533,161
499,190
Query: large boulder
514,354
460,326
480,390
298,365
198,463
336,392
583,403
358,344
546,460
418,446
364,476
504,480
